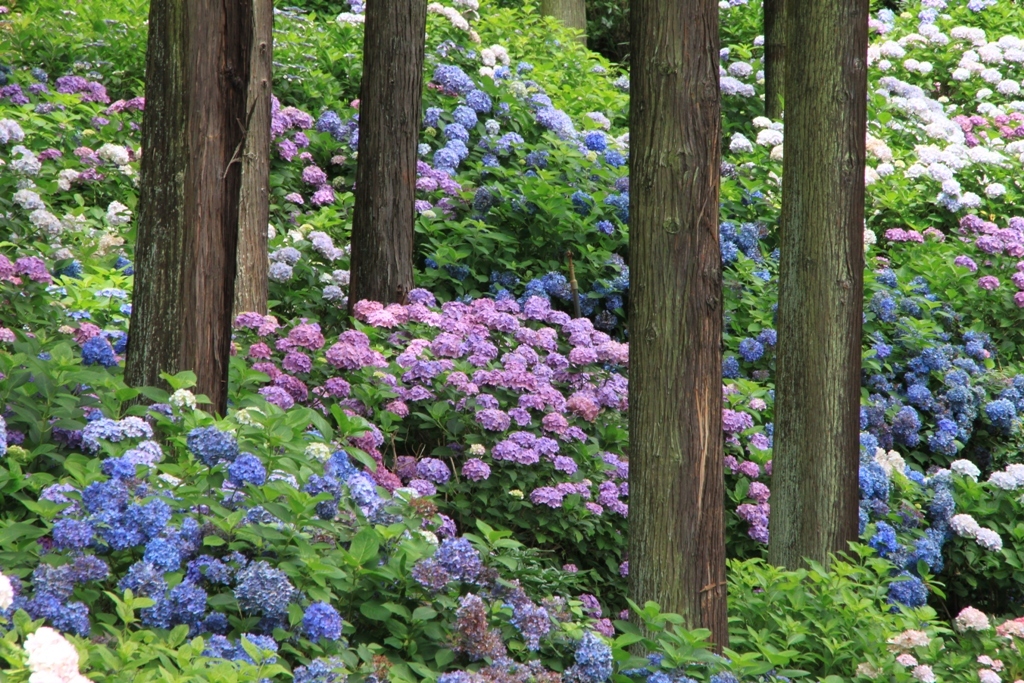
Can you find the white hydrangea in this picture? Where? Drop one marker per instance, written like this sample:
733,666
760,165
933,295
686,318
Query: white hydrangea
739,143
776,153
46,221
892,50
965,468
870,238
970,200
890,462
348,18
989,540
964,525
877,148
51,657
870,176
118,214
874,53
1016,471
487,57
28,200
740,69
995,190
1014,54
885,169
467,4
6,593
27,162
66,177
990,54
318,451
501,54
733,86
183,398
1008,87
1003,480
884,65
341,277
769,137
991,76
245,416
961,74
115,154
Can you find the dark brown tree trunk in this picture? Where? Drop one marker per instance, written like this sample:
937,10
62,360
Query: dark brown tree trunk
197,73
572,13
817,412
774,57
254,205
676,519
389,127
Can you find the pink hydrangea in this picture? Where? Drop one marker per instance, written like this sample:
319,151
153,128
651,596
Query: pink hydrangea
971,619
988,282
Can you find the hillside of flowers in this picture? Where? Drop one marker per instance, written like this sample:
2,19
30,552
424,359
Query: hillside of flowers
439,490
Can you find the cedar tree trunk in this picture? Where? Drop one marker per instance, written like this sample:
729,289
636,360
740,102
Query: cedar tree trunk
572,13
197,73
389,127
676,537
774,57
817,412
254,205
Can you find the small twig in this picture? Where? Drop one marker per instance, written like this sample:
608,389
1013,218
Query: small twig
573,286
235,157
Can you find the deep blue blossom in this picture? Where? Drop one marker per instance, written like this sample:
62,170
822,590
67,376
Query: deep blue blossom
212,446
247,469
321,621
262,589
98,351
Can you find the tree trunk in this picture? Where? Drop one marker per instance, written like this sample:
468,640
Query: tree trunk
817,412
774,57
389,127
677,538
572,13
197,73
254,205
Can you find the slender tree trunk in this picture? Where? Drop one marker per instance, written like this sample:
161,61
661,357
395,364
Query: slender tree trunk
197,73
389,126
774,57
572,13
817,412
254,206
677,538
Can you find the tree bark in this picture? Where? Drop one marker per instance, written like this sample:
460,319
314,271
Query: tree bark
389,126
254,205
676,538
572,13
774,57
817,412
197,73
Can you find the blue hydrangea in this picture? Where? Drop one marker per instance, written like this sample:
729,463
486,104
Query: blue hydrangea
447,160
908,590
210,569
72,534
143,578
1001,413
187,603
595,141
751,350
3,437
321,622
556,121
582,202
883,306
507,141
332,670
150,519
432,116
884,541
479,101
465,117
453,79
874,484
730,367
605,226
593,660
614,158
459,558
211,446
330,122
162,554
263,589
887,277
906,425
247,469
456,131
98,351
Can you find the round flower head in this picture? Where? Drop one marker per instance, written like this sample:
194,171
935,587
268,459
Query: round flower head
971,619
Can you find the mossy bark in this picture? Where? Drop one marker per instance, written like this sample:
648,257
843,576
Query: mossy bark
197,75
251,260
676,519
774,57
817,409
389,127
572,13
